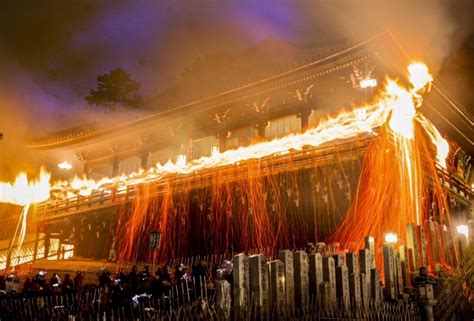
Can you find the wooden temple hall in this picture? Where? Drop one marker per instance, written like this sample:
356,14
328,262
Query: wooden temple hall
287,97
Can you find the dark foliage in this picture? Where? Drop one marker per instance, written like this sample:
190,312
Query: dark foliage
115,89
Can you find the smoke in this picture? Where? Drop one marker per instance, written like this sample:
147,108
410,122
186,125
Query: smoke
426,29
23,107
50,54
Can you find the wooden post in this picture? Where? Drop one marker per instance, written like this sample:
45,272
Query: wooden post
115,166
261,129
304,116
222,142
154,260
144,159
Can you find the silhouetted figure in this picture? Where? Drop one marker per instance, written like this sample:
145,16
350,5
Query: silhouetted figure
2,283
104,279
78,282
145,274
68,284
55,283
199,275
133,276
26,286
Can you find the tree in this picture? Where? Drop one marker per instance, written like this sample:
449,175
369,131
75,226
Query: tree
113,89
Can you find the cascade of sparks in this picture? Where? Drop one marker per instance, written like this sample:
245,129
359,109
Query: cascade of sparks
396,106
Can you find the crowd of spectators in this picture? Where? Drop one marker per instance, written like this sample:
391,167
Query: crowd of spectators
117,289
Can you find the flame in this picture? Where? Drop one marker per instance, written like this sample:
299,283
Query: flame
419,76
394,185
396,105
24,192
441,144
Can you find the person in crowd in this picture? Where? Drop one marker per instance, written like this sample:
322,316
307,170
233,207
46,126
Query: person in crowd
78,282
39,281
133,276
55,281
104,279
68,285
26,286
9,284
2,283
145,274
115,290
55,284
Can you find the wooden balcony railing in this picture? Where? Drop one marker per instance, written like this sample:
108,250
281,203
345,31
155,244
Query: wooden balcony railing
290,161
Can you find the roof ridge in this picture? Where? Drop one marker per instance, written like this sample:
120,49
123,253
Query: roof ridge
280,73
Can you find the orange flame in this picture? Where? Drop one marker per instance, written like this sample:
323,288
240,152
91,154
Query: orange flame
25,192
396,106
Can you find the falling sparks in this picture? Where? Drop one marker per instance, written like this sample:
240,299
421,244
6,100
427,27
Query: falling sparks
392,167
442,145
394,184
396,103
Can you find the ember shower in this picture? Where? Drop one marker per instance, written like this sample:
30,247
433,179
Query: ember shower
382,175
255,205
362,172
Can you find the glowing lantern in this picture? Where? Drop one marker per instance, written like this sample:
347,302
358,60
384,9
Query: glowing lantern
368,83
65,165
391,238
463,230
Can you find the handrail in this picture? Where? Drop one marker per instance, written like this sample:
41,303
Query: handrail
292,160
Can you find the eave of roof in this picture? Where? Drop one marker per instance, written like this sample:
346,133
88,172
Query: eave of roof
52,142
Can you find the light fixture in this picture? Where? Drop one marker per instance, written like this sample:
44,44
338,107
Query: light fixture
391,238
368,83
214,151
65,165
181,160
463,229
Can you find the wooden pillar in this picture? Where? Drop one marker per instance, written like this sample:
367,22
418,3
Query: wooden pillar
84,158
261,129
144,159
35,250
86,168
9,254
115,166
46,244
222,139
304,117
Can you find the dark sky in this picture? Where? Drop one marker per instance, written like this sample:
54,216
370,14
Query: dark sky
51,51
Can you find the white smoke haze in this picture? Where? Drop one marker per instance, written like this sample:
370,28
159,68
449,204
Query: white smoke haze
179,32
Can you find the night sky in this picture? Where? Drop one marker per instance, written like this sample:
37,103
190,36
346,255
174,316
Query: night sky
52,51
